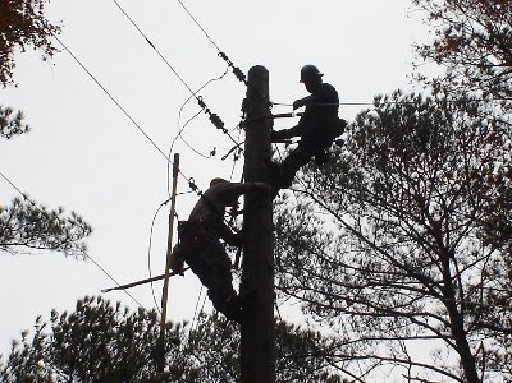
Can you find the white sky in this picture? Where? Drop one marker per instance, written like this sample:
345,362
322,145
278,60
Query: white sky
85,155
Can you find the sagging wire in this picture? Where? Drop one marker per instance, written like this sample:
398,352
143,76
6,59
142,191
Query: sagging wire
180,130
214,118
84,253
82,66
236,71
149,251
132,120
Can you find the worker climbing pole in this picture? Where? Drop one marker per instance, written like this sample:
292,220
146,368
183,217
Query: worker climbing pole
257,352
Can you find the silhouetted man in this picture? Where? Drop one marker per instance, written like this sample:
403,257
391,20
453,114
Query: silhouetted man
317,128
200,247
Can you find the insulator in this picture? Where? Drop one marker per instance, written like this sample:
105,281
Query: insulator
215,120
240,75
201,102
192,185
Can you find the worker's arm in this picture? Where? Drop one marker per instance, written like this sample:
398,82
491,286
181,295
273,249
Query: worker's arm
284,134
303,102
237,189
231,238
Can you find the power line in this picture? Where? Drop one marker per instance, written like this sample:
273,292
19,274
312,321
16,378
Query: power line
182,128
113,99
236,71
153,46
214,118
189,179
381,103
96,263
149,250
12,184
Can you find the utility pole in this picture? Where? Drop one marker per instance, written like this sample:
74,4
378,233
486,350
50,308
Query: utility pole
168,263
257,353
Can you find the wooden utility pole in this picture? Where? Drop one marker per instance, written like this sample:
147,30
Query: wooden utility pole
257,353
168,263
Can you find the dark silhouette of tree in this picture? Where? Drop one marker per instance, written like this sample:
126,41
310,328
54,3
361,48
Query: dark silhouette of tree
25,222
101,342
23,24
409,259
11,123
473,39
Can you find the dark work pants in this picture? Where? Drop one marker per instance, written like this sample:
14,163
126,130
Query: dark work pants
296,159
212,265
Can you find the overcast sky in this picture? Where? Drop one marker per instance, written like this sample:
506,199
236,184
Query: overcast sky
84,154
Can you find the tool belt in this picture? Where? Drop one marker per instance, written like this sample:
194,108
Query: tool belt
194,235
336,127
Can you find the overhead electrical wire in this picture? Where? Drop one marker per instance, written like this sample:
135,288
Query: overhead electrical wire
190,181
12,184
113,100
138,126
87,256
214,118
149,250
153,46
381,103
236,71
182,128
97,264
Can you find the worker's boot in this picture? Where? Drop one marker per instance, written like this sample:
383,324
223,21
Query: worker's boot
232,309
236,304
276,175
322,157
247,297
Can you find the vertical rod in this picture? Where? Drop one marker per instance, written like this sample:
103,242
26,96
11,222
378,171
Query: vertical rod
257,351
168,263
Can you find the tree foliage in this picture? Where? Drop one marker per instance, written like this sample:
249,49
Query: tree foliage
23,24
411,259
26,224
11,123
101,342
472,38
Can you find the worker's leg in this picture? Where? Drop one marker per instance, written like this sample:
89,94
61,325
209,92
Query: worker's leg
213,268
220,290
296,159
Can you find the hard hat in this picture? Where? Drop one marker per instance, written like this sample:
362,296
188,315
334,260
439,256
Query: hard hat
309,72
218,180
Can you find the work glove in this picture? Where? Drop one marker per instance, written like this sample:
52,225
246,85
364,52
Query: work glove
297,104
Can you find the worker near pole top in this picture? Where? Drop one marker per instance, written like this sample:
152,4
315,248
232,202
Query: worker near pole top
318,127
199,244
